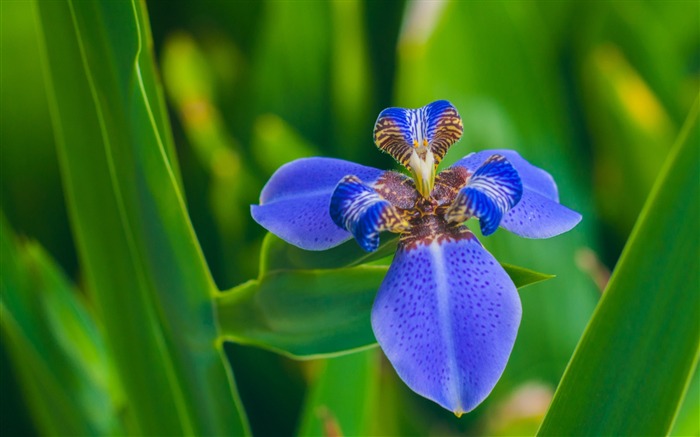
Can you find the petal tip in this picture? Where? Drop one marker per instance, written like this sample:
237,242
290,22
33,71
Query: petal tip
538,217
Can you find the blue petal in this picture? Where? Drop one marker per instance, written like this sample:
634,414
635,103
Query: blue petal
533,178
294,203
398,131
538,214
359,209
491,191
446,316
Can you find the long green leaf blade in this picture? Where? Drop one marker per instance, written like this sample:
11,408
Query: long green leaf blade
635,360
56,347
142,262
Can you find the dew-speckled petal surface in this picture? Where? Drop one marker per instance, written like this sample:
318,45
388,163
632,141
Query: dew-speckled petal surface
435,127
490,193
536,216
533,178
294,204
446,316
359,209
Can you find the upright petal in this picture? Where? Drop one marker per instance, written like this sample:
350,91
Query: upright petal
434,127
446,316
359,209
294,203
538,214
490,193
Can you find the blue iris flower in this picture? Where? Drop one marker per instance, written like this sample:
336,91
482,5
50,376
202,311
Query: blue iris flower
446,314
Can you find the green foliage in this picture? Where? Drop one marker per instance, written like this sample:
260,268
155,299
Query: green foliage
119,229
638,386
345,398
303,313
309,304
56,344
143,267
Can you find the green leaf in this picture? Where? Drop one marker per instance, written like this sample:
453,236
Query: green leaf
343,399
311,313
303,313
634,363
55,345
688,420
523,277
142,264
276,254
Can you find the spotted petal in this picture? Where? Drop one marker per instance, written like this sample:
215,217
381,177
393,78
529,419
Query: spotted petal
446,316
491,192
434,127
538,214
359,209
294,203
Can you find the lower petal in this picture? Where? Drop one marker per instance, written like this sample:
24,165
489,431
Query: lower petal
446,316
536,216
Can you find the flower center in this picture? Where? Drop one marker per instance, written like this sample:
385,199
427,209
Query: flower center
431,227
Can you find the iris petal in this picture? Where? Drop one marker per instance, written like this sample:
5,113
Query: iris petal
294,202
491,192
359,209
532,177
538,214
446,316
434,127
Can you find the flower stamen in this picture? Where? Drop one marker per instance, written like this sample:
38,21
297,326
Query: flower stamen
423,170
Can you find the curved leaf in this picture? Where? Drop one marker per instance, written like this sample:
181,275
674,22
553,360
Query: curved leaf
312,313
303,314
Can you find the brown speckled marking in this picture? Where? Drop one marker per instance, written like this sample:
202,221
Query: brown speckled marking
427,228
398,189
448,183
425,216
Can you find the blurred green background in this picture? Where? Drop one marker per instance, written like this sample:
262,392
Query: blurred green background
594,92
